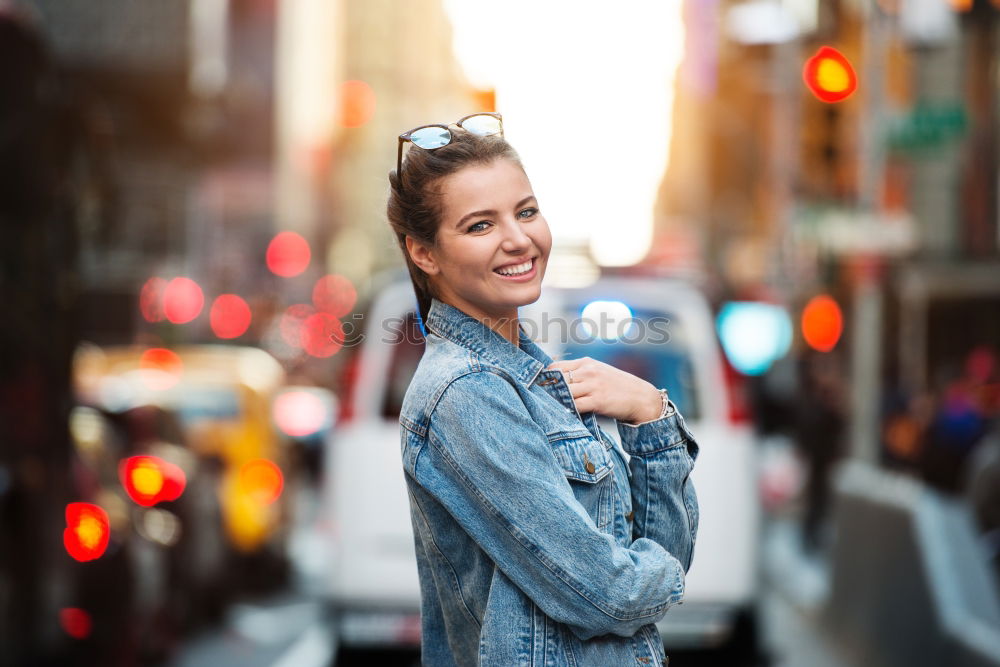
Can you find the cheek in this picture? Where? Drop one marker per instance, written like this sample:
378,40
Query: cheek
544,239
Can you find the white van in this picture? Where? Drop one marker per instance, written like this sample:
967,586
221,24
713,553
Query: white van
373,579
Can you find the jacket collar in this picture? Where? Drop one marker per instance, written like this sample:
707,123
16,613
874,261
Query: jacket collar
523,362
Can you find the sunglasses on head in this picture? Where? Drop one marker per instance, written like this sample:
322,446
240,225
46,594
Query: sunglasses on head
429,137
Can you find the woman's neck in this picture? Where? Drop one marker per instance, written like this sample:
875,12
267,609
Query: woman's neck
506,325
508,328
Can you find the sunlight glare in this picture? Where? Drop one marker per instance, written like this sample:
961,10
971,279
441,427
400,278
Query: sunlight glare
582,83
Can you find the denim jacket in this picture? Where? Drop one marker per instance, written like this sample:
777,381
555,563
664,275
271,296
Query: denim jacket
536,542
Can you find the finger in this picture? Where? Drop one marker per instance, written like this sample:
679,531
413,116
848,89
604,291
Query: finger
584,404
565,365
578,389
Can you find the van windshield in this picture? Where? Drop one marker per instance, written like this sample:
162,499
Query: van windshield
661,365
646,352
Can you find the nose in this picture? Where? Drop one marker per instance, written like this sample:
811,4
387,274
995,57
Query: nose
515,241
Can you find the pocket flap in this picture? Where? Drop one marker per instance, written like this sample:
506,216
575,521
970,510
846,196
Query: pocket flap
581,456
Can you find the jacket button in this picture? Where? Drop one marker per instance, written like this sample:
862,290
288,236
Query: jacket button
631,513
588,464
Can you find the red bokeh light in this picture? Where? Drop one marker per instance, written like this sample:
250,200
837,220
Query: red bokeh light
164,368
288,254
262,480
299,413
335,295
293,321
322,335
230,316
829,75
75,622
182,300
358,103
822,323
87,531
151,299
149,480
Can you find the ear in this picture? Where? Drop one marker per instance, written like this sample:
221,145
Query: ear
421,256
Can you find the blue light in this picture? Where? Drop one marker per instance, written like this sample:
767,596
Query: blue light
754,334
607,320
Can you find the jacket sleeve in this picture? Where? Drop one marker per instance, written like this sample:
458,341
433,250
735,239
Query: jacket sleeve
492,467
661,456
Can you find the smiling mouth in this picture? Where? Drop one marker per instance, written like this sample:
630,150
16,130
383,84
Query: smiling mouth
516,269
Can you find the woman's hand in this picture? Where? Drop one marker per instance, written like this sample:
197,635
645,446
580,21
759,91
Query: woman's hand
598,387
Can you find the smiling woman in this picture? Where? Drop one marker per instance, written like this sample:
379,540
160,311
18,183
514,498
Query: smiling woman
489,261
535,540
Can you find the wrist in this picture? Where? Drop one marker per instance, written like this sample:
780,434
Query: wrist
653,407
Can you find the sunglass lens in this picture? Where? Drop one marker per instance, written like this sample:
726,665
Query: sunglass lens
431,137
482,124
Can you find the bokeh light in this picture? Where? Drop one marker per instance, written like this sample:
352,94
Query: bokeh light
829,75
75,622
299,413
292,322
754,335
322,335
262,480
607,320
230,316
87,531
160,526
358,103
182,300
822,323
162,368
288,254
149,480
334,294
151,299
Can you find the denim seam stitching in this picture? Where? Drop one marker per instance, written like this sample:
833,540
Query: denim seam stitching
456,582
673,445
649,643
687,510
436,398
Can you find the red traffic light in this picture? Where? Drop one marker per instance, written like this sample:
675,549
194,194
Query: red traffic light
829,75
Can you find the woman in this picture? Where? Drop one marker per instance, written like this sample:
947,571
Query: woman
536,542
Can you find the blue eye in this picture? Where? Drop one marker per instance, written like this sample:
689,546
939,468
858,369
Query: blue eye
526,213
476,226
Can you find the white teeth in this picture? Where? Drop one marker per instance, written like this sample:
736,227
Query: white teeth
515,270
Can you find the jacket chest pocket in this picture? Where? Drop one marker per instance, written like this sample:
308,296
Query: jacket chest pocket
587,465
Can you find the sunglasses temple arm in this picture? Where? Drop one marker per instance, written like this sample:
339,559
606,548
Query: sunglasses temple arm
399,158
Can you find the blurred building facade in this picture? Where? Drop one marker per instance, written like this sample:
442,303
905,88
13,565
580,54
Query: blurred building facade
179,152
888,199
403,51
158,114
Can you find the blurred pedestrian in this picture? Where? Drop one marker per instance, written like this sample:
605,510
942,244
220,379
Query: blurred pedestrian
820,420
964,411
534,540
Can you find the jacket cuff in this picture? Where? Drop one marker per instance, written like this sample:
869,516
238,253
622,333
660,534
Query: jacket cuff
655,436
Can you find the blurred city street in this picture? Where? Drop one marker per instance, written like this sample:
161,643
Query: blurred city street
292,627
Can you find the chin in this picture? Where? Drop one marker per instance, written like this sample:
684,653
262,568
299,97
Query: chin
532,298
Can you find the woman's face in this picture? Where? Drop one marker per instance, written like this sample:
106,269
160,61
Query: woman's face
492,244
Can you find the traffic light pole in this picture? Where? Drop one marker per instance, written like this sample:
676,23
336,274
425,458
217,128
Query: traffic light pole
866,335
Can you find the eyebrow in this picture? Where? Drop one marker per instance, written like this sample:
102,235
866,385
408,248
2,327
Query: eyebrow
476,214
